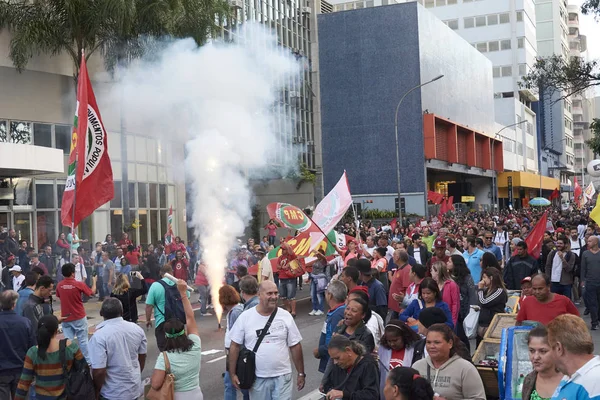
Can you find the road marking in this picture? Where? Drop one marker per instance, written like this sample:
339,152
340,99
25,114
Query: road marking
216,359
209,352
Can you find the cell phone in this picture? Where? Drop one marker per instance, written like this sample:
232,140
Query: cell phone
94,273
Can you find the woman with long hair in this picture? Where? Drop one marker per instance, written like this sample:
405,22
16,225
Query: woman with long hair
230,300
405,383
128,295
396,349
462,276
489,260
541,383
451,376
492,297
353,372
182,349
398,234
43,364
448,288
429,296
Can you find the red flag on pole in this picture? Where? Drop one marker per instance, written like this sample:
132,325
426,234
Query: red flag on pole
450,203
535,239
555,194
577,191
394,223
89,181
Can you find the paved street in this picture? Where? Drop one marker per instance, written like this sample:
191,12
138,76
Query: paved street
213,357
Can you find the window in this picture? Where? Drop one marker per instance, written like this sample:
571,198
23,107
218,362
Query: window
568,124
530,153
508,145
3,135
42,135
504,18
482,47
519,16
522,69
452,24
429,4
44,195
494,46
505,44
507,71
142,195
521,43
163,196
153,195
469,22
62,135
117,201
439,3
479,21
452,2
496,72
492,19
520,149
529,127
20,132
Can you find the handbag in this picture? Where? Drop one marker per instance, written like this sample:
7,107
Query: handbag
78,380
167,390
471,322
246,362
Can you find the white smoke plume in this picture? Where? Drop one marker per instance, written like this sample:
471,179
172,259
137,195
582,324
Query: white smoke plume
219,98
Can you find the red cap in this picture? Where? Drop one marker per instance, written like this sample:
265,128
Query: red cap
526,279
363,289
439,243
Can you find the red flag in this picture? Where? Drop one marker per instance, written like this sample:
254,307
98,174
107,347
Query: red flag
450,203
435,197
577,191
394,223
90,181
555,195
443,207
535,239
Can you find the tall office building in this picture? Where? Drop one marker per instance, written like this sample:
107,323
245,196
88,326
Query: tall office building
505,32
556,131
581,105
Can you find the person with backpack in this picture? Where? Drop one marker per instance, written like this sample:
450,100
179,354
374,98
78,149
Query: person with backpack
164,301
118,354
43,363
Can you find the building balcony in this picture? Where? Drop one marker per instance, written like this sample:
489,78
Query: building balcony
18,160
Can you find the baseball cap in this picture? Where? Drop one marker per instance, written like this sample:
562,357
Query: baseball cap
526,279
16,268
363,289
440,243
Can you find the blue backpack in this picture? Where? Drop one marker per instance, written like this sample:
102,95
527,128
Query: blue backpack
173,303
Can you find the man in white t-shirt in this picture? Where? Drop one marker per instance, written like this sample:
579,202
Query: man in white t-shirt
273,367
370,246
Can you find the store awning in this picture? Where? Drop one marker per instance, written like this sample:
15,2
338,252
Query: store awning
527,180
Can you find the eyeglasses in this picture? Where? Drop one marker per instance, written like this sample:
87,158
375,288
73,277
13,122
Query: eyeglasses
488,238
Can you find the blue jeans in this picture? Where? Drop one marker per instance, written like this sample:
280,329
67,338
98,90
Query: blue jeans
78,329
318,299
277,388
557,288
231,391
287,288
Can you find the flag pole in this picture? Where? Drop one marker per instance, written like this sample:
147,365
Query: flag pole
75,182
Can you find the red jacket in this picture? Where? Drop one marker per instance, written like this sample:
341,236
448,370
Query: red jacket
451,296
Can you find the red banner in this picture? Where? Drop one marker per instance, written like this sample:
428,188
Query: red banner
535,240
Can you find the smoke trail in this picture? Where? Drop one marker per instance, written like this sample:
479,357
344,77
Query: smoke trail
219,98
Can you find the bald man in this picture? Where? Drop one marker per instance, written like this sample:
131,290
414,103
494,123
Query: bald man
590,279
273,366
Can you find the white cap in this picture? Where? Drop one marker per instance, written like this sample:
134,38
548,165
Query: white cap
16,268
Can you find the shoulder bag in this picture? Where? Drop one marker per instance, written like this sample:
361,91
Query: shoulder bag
246,362
78,380
167,390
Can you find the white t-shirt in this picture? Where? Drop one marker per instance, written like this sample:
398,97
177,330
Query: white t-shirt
556,268
273,355
80,273
265,269
417,255
389,253
581,231
17,282
376,326
576,246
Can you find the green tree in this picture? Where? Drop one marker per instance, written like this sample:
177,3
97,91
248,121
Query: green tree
120,29
594,142
568,77
591,7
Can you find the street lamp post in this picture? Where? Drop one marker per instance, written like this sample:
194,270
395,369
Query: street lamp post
494,179
397,148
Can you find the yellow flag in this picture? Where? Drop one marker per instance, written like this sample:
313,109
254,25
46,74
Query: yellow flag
595,214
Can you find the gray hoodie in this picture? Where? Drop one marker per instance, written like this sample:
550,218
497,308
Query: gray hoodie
457,379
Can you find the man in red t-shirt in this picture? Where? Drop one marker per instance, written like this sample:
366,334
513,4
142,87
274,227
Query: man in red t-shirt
544,305
287,279
400,282
180,266
74,319
132,256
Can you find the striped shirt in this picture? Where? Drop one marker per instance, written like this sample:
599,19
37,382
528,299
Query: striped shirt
48,373
582,385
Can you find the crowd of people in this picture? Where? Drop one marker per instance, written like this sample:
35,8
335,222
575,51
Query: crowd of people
394,302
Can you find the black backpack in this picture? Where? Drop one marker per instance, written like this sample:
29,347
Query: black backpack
173,303
79,383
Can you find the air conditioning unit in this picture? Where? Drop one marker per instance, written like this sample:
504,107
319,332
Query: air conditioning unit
236,4
306,10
